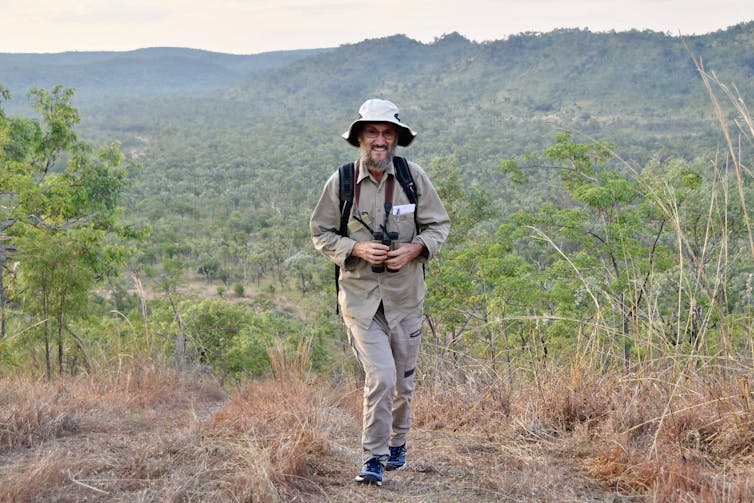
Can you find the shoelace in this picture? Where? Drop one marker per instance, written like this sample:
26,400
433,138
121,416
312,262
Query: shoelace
397,452
373,465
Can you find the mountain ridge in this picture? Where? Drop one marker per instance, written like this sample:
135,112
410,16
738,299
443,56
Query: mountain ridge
638,86
104,76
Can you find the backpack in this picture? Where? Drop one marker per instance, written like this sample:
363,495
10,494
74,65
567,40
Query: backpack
346,172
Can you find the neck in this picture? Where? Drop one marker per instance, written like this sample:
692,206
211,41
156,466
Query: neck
377,174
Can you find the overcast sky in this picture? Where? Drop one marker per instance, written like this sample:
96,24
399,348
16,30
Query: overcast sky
254,26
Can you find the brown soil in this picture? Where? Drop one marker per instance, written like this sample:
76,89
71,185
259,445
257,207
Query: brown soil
174,452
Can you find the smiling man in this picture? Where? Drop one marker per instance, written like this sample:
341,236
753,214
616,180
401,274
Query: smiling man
379,219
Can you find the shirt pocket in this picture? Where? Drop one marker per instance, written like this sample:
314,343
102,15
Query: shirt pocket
357,231
405,225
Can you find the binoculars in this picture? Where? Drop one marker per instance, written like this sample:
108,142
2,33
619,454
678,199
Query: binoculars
388,239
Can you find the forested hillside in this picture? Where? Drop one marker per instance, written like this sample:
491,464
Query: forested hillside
113,77
155,208
260,150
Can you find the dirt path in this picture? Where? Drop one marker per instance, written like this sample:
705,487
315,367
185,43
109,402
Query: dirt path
451,466
167,453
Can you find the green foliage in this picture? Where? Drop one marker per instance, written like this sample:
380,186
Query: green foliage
60,215
233,339
303,267
468,205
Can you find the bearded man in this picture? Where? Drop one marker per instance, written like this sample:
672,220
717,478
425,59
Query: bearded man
382,289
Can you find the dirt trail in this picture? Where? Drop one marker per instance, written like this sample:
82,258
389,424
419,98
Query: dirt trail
451,466
159,453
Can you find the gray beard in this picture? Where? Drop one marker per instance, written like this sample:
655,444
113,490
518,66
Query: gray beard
381,166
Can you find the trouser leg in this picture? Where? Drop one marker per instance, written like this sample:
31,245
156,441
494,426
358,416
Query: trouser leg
388,356
372,348
405,343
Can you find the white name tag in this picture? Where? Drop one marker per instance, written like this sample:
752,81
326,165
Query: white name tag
404,209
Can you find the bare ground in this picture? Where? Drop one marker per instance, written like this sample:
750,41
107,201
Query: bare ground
179,451
453,466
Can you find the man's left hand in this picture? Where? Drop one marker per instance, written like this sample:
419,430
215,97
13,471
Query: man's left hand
405,253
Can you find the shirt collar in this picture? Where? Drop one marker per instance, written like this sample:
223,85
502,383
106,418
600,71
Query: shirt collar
364,172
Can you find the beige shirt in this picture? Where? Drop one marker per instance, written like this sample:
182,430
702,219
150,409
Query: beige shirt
361,289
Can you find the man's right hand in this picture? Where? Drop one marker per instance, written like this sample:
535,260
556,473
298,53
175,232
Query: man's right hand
373,252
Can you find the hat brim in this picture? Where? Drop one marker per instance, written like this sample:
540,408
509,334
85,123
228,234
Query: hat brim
405,134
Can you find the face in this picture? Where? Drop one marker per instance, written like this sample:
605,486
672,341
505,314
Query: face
377,142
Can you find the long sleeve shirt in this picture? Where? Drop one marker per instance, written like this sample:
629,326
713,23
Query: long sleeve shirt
362,290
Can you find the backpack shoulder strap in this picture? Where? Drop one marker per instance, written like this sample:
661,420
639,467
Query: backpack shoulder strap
345,193
405,178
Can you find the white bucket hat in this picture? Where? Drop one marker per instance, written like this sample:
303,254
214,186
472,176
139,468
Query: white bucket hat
379,111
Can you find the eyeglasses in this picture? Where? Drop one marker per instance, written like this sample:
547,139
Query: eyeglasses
371,132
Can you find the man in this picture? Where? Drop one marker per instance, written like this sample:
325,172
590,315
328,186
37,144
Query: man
382,286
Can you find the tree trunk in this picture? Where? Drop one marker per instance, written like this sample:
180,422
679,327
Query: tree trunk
2,292
60,316
5,252
626,330
61,369
179,353
48,364
46,328
508,355
433,331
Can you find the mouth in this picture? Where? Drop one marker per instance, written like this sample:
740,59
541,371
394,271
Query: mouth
378,155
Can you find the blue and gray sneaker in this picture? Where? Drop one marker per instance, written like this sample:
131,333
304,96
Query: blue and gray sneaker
371,472
397,460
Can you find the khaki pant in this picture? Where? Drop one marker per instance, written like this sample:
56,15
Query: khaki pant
388,356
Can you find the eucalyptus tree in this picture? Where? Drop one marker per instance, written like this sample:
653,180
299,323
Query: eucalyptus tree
59,211
606,234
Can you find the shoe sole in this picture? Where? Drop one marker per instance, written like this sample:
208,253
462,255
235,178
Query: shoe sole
368,480
392,468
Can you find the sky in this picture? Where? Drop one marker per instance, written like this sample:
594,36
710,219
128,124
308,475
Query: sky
256,26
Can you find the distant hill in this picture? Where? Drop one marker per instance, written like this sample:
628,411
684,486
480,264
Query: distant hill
620,82
539,72
478,101
101,77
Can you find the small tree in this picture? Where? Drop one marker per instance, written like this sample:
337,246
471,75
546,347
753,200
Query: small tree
59,211
302,266
612,230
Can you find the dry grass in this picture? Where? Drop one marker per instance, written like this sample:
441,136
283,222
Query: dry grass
55,433
35,411
163,437
569,435
663,435
689,444
284,428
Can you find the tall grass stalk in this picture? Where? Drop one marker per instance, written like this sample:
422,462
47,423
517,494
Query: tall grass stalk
711,82
288,365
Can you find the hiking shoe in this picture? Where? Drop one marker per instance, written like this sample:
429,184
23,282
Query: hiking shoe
397,460
371,472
